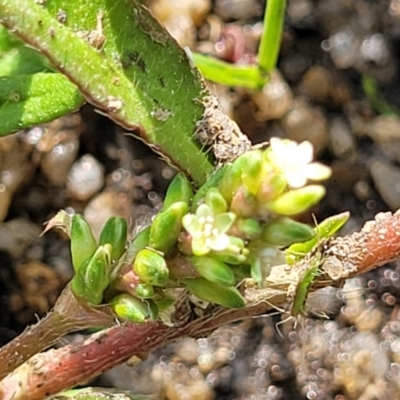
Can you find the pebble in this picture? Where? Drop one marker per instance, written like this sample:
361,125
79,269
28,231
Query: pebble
386,178
16,235
180,18
85,178
274,100
105,205
238,9
323,86
341,140
304,122
57,162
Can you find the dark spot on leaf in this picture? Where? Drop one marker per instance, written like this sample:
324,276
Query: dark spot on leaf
134,58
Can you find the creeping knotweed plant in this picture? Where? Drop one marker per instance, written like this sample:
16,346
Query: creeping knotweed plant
236,227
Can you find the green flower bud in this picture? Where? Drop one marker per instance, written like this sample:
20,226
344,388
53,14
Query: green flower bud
235,253
272,186
144,291
115,232
213,270
325,229
284,232
130,308
166,227
178,190
212,181
83,243
140,241
231,181
252,170
93,277
216,201
78,283
227,296
296,201
151,267
243,203
246,228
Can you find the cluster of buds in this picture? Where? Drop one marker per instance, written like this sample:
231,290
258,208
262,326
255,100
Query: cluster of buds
236,226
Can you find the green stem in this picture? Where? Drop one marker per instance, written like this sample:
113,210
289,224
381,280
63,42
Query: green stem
272,34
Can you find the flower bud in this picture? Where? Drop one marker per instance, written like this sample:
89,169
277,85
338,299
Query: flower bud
115,233
166,227
130,308
216,201
213,270
234,254
284,232
83,243
93,277
140,241
272,186
246,228
231,181
178,190
227,296
151,267
252,169
296,201
144,291
243,203
212,181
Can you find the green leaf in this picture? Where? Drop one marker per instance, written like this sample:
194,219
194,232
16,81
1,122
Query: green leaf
247,76
178,190
227,296
83,243
212,181
18,59
284,232
296,201
93,277
167,226
125,64
115,233
327,228
213,270
27,100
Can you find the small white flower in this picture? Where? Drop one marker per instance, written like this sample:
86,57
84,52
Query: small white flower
294,162
208,231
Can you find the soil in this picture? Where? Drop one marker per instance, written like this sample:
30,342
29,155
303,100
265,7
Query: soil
349,347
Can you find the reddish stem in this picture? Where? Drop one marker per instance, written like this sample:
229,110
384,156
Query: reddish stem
382,241
68,315
50,372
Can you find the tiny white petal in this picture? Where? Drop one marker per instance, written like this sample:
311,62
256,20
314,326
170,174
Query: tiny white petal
220,243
